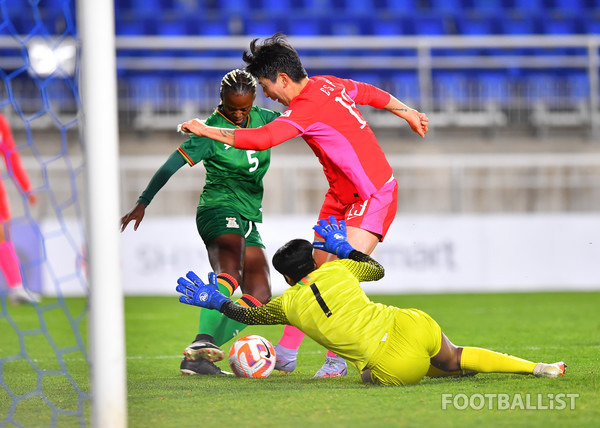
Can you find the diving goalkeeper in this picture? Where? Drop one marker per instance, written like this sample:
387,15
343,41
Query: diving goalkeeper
388,345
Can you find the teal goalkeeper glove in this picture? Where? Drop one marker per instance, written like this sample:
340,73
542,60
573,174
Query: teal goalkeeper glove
336,241
195,292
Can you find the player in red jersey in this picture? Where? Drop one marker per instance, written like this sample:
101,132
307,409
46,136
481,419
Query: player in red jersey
322,110
9,263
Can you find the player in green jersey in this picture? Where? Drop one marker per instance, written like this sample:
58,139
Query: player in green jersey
227,213
386,344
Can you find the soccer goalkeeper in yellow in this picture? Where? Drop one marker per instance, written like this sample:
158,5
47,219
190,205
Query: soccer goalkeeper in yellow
387,345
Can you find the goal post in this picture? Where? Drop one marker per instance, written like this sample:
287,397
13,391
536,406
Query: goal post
100,132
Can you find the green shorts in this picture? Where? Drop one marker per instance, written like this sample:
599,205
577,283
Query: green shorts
214,222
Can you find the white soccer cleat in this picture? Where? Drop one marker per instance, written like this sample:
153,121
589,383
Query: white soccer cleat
285,359
18,295
205,350
333,367
550,370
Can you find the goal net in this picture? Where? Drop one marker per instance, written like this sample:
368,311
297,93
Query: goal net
45,364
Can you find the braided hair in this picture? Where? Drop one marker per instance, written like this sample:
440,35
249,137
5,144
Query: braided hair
239,82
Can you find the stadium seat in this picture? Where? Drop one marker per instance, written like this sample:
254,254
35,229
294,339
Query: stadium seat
211,27
392,27
452,7
561,25
451,86
304,26
432,25
173,27
234,6
569,6
487,7
540,86
529,6
263,27
405,86
145,90
578,86
591,24
133,27
405,7
518,25
494,86
476,25
344,26
372,78
353,7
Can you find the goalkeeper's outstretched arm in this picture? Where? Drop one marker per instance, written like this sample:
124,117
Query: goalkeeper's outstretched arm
363,266
269,314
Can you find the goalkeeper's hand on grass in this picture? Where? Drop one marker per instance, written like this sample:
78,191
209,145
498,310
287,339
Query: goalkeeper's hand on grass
195,292
336,241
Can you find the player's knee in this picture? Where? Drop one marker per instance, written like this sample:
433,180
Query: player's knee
366,376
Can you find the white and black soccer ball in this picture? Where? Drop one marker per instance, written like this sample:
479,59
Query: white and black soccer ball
252,356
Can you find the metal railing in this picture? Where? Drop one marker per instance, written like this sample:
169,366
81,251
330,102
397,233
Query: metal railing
198,55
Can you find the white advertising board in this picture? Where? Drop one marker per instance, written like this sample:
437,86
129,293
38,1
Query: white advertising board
421,254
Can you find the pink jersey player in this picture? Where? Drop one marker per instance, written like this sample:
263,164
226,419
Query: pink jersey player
9,263
322,109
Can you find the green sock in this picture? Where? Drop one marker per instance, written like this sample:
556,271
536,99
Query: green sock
229,328
211,319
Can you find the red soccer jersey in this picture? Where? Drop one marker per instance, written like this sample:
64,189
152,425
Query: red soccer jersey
13,165
326,117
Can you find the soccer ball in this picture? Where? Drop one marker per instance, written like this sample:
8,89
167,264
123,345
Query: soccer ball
252,356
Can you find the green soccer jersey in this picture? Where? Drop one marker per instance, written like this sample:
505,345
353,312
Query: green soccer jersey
233,176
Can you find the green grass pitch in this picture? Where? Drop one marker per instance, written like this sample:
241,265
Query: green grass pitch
537,326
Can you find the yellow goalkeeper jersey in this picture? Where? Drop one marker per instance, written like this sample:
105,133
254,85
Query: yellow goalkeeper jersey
330,307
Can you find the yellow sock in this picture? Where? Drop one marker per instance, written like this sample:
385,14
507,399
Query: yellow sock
486,361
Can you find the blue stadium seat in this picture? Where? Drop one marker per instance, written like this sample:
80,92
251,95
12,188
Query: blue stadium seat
450,86
518,25
392,27
344,26
569,6
263,27
453,7
476,25
145,90
372,77
279,7
353,7
234,6
494,86
133,27
487,7
433,25
591,24
405,86
173,27
529,6
540,86
405,7
211,27
578,86
193,88
304,26
561,25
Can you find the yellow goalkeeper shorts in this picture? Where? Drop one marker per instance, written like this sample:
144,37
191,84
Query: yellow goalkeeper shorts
413,340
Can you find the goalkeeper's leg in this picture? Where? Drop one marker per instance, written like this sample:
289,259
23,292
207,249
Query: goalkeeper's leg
451,358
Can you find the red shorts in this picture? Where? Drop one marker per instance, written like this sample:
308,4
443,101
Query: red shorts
374,215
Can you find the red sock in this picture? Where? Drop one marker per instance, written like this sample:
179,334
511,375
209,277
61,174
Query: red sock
9,263
292,338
